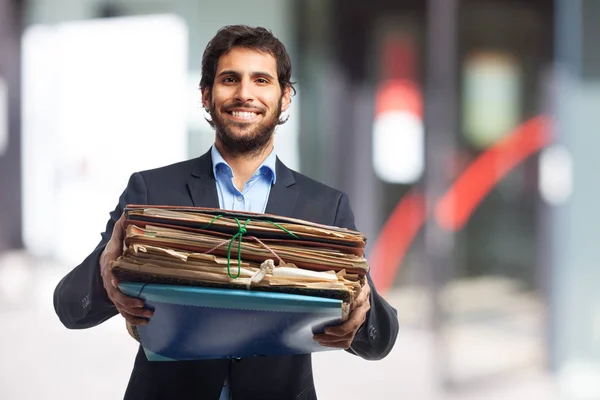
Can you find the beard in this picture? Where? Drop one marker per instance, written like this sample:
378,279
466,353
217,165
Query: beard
255,136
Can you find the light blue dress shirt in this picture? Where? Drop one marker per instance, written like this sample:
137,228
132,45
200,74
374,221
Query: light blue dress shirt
253,197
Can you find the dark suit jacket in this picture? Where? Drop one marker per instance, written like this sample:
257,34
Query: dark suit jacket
81,301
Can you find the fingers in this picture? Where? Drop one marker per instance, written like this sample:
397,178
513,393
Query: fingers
339,343
115,243
132,319
112,251
119,230
365,292
357,318
327,338
131,305
130,308
114,247
363,296
109,254
341,336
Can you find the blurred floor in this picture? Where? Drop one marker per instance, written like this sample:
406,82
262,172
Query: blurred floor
43,360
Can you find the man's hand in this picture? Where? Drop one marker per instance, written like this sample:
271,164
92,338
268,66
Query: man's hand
341,336
130,308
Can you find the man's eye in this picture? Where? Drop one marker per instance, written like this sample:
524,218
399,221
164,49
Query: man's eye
262,81
228,80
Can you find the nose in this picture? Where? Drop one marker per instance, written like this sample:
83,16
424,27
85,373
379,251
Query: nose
244,91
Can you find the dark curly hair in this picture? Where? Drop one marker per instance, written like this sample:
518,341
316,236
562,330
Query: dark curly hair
259,39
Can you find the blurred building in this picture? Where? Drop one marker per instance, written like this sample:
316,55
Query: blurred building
465,133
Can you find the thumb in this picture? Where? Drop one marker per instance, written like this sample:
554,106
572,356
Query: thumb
119,230
364,293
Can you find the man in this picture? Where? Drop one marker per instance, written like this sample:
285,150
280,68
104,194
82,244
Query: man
245,87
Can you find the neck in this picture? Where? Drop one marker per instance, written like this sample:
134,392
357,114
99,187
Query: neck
244,165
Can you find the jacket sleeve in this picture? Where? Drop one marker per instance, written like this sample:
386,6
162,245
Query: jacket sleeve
80,300
375,339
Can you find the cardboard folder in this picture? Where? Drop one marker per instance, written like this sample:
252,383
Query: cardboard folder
236,284
149,264
262,225
194,323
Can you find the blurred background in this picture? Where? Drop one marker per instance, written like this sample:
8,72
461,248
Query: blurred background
457,127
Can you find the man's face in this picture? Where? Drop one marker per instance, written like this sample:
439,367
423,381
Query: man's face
246,100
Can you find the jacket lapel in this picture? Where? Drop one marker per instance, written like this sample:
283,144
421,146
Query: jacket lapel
203,189
202,185
282,198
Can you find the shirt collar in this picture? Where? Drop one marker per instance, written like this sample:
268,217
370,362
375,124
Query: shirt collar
267,166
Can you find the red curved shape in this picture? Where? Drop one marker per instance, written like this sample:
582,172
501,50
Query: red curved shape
395,239
455,208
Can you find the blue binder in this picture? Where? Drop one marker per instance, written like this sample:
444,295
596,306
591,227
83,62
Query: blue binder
195,323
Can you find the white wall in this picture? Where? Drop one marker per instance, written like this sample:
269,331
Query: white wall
101,100
86,103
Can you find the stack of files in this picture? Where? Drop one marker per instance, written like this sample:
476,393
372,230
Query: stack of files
236,284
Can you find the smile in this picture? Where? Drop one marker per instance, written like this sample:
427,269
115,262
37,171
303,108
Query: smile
243,115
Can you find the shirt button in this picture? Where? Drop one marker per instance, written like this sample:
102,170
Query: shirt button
240,198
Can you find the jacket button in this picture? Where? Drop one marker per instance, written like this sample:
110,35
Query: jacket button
372,332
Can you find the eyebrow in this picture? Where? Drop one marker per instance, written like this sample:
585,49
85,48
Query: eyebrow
252,74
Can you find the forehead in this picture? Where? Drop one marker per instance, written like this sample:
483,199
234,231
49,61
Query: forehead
244,60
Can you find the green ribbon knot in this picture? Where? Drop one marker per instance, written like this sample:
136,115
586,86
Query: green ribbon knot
240,233
242,230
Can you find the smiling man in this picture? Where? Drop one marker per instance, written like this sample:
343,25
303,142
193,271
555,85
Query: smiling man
245,101
246,85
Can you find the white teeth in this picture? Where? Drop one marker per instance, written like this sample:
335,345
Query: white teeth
243,114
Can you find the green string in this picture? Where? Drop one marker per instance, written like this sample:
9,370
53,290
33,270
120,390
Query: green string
282,228
240,233
242,230
211,222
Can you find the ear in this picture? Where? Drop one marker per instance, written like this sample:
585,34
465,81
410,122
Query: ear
286,99
206,95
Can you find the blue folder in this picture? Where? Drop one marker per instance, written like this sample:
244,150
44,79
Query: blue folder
195,323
